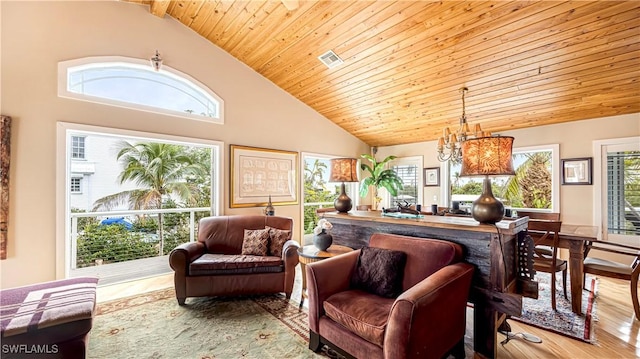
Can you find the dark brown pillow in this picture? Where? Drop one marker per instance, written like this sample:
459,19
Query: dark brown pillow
255,242
277,238
379,271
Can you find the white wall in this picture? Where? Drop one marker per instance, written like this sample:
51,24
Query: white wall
575,140
37,35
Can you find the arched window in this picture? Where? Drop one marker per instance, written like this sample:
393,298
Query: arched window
133,83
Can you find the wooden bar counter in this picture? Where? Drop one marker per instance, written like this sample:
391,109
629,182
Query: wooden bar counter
498,252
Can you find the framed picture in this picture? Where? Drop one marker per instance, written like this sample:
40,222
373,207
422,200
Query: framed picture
5,157
432,176
577,171
257,173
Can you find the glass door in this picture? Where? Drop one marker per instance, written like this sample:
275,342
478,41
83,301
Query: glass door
621,191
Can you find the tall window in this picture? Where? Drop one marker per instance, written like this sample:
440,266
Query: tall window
617,178
318,192
623,192
409,169
133,83
77,148
534,186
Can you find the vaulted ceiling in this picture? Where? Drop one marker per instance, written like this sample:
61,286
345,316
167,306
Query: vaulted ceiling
525,63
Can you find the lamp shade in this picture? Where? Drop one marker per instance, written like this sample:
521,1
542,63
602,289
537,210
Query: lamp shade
487,156
344,170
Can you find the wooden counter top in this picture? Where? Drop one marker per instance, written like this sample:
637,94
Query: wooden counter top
507,226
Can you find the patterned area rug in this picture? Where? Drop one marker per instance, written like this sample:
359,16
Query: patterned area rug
153,325
538,312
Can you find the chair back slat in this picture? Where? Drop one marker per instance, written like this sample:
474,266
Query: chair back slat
540,230
544,225
551,216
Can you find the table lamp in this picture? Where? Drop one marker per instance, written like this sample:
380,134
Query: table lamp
487,156
343,170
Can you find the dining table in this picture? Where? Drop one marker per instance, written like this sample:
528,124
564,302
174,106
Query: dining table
574,238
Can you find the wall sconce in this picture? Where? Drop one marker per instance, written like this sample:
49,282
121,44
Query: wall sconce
449,145
343,170
487,156
156,61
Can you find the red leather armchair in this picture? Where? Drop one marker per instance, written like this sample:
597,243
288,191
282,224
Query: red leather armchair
215,266
427,320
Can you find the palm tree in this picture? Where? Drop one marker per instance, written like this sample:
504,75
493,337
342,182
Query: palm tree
160,170
531,184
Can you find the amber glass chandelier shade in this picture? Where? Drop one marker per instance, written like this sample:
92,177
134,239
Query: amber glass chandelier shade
343,170
487,156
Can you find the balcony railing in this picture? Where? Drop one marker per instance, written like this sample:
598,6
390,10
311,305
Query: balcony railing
131,240
118,253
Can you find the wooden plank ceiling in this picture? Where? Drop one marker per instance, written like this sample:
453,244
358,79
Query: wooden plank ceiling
525,63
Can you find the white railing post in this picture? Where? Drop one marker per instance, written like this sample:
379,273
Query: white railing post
192,220
74,242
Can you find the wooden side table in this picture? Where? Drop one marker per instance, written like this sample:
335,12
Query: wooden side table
309,254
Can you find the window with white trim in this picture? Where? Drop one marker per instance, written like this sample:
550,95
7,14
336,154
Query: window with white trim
534,187
77,148
623,192
76,185
133,83
409,169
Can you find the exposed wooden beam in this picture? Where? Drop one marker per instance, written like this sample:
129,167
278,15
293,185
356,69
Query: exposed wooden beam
159,7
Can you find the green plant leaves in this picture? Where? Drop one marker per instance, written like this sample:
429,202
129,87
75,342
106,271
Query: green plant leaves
379,176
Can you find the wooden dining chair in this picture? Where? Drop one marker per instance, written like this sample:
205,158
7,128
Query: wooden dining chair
550,216
545,233
615,269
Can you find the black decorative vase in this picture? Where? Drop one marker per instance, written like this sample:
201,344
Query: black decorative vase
322,240
487,209
343,203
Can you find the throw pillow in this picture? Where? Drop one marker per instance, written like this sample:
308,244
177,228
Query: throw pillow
277,238
255,242
379,271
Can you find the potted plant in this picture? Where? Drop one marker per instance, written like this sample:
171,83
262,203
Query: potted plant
379,177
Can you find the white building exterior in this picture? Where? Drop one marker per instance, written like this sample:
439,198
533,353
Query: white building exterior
94,170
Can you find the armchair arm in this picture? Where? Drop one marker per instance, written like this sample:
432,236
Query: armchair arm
290,253
430,317
325,278
290,259
182,255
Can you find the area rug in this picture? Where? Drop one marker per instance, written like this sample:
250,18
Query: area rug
538,312
153,325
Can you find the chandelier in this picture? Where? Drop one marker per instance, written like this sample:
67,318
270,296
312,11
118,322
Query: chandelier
450,144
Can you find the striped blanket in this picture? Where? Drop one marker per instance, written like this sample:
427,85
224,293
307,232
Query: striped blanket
33,307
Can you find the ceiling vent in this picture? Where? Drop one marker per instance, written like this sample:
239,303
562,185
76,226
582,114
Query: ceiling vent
330,59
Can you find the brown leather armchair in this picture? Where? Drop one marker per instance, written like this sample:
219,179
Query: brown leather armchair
427,320
214,265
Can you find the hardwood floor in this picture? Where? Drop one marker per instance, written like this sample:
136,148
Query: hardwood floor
617,330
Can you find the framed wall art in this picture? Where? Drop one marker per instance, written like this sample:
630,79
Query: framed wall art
257,173
577,171
432,176
5,158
